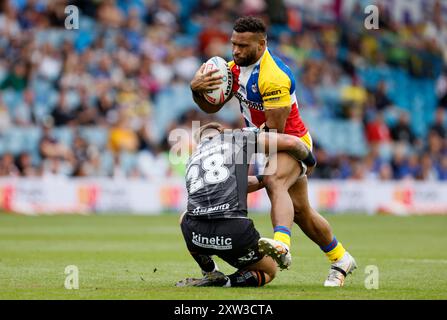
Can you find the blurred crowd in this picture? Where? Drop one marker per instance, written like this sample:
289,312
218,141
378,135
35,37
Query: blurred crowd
109,74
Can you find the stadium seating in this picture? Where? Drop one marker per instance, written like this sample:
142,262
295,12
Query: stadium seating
321,105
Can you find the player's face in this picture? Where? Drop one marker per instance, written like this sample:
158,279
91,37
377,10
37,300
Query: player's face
247,47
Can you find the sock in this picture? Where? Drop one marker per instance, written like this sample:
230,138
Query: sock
334,250
282,234
246,279
205,262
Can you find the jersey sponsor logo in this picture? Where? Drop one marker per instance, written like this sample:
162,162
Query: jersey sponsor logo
229,83
221,207
271,93
271,99
216,242
250,104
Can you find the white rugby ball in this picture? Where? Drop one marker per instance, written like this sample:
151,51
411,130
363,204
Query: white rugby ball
219,95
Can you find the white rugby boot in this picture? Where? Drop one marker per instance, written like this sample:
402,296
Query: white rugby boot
278,250
339,271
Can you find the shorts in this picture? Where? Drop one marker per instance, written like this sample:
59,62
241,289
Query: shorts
307,140
233,240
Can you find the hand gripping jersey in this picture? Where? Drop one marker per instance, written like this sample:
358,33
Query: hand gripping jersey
217,176
267,84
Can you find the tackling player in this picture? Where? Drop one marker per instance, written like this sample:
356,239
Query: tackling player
216,221
265,88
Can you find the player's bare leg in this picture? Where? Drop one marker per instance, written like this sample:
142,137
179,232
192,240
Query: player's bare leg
315,226
318,229
277,184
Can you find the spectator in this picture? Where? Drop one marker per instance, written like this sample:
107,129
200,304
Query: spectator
354,98
7,166
17,78
50,148
24,113
62,115
358,170
442,169
136,53
435,146
439,124
323,170
402,131
85,114
381,97
377,131
25,166
50,63
427,172
122,137
372,164
385,172
55,168
9,25
80,149
414,167
107,110
145,141
5,117
110,15
399,163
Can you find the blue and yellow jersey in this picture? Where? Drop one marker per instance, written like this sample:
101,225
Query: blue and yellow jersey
267,84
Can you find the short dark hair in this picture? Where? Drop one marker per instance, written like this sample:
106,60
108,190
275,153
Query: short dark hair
207,127
249,24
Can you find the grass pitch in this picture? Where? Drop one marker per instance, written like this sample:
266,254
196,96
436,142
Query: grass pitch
141,257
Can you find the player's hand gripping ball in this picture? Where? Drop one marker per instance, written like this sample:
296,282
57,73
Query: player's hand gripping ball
223,90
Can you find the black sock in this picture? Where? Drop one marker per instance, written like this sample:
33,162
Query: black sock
247,279
205,262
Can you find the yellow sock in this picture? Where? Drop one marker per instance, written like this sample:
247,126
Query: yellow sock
334,250
335,254
282,234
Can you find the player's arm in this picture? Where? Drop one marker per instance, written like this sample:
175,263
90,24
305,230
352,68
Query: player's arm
202,83
277,101
276,142
255,183
276,118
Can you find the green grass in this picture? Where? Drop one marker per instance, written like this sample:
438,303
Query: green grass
136,257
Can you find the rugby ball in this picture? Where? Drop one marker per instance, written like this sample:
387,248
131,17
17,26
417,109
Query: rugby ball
219,95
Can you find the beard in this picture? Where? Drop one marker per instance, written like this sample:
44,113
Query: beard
246,61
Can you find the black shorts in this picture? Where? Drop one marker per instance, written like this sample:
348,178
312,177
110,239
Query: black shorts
233,240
